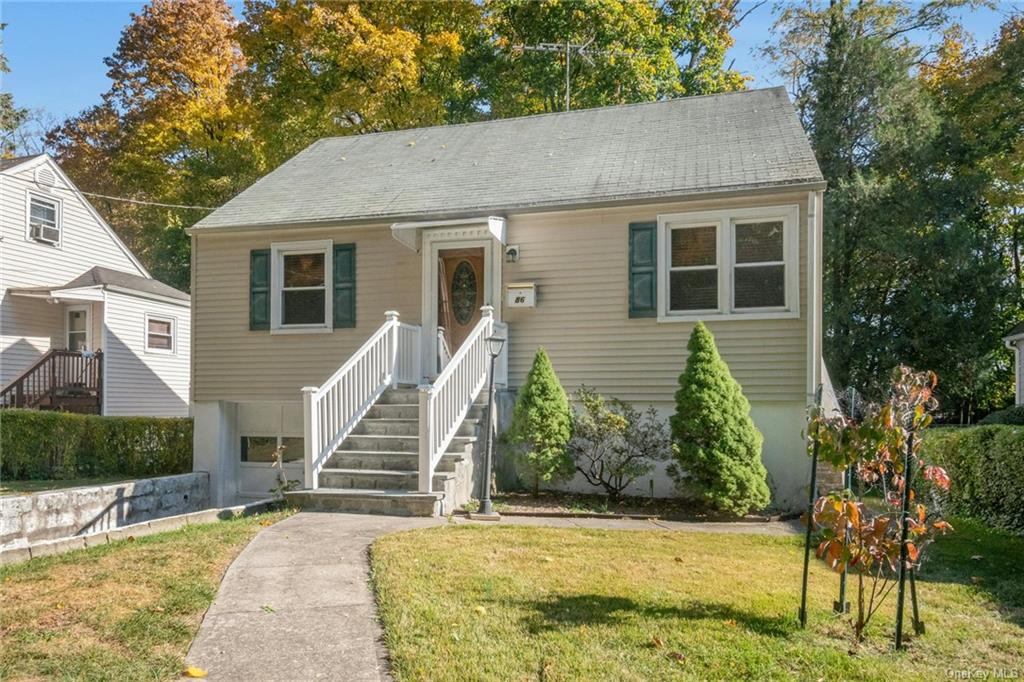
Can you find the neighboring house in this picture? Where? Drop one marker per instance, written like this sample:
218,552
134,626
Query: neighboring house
600,234
83,326
1015,341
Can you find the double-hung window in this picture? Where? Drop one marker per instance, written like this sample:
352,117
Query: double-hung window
44,219
729,263
159,334
301,286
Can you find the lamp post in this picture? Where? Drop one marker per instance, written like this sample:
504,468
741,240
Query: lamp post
494,346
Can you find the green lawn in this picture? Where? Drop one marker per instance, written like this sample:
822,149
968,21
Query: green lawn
524,603
26,487
123,611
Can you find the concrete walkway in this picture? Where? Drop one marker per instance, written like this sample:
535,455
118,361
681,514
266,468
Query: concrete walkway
297,605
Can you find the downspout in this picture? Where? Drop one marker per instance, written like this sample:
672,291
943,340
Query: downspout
106,355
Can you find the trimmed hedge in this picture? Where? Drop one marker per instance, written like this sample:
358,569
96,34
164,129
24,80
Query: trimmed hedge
1011,415
986,464
58,445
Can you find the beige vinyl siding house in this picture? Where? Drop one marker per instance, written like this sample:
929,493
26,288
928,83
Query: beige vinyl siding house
68,285
575,253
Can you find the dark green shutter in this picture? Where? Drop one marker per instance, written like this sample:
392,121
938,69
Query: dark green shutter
344,285
643,267
259,289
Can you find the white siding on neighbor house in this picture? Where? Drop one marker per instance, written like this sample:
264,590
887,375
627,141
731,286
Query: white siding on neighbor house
29,328
578,259
140,381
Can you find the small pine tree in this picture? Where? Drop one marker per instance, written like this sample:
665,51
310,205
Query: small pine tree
716,447
542,424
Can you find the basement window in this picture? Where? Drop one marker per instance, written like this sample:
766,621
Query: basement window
260,449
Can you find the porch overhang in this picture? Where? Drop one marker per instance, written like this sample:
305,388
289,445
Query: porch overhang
61,295
410,234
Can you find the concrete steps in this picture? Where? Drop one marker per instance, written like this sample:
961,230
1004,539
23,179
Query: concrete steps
365,501
376,469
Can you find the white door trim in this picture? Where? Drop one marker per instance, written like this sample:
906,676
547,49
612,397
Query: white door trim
87,309
452,237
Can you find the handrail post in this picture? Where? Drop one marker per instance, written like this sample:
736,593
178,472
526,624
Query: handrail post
426,454
309,435
392,317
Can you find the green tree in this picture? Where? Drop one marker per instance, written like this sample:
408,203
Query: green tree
542,424
716,447
10,116
637,52
912,269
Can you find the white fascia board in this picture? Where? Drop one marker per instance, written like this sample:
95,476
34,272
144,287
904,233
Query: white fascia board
93,293
410,233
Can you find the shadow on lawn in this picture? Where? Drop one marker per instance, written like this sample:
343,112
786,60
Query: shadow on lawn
593,609
987,560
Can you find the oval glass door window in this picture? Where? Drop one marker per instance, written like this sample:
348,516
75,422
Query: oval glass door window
463,292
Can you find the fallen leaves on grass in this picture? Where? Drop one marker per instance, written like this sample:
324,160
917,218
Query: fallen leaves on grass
657,642
676,656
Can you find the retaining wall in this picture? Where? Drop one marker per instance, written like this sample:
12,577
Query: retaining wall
55,514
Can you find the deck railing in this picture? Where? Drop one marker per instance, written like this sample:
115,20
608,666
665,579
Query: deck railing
445,404
330,411
63,376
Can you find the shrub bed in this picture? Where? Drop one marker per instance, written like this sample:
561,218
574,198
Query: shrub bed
985,465
1011,415
60,445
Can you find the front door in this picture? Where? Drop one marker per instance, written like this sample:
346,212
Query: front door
460,288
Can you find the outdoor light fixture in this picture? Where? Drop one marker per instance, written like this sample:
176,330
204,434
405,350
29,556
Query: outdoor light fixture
494,346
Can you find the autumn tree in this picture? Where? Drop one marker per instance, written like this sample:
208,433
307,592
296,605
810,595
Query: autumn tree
318,69
166,131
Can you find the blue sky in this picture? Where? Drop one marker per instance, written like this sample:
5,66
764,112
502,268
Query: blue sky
56,49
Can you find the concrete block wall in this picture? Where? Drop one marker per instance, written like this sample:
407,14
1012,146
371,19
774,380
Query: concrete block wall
55,514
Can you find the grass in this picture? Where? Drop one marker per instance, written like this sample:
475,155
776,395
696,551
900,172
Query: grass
525,603
123,611
26,487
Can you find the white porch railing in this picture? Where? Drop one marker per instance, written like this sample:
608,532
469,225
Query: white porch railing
445,404
444,353
330,411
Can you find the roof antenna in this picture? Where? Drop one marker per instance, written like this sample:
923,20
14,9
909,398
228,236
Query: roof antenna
568,49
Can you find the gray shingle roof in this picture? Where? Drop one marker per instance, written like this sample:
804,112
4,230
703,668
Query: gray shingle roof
1017,330
15,161
734,141
104,277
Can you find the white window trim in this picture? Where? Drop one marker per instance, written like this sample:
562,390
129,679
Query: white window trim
725,220
59,206
88,325
174,334
278,251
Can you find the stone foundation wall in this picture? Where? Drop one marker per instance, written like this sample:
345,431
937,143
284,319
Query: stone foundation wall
55,514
